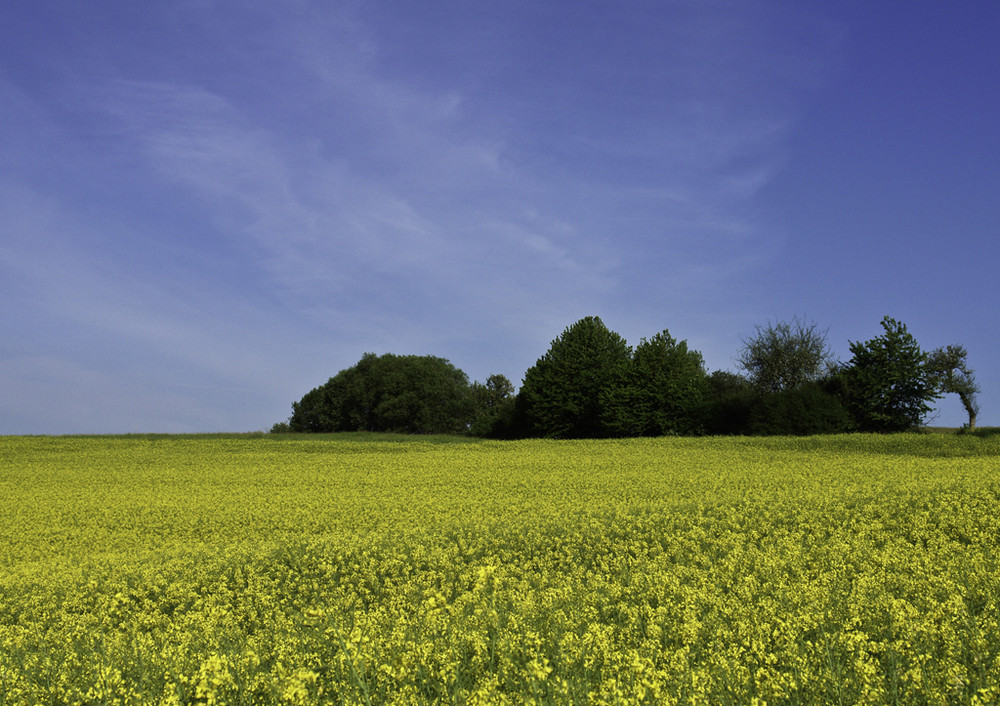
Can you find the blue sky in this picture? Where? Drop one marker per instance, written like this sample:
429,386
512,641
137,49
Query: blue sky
208,208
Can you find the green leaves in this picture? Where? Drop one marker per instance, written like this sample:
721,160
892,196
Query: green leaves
889,384
952,375
667,387
390,393
784,356
591,384
566,393
493,407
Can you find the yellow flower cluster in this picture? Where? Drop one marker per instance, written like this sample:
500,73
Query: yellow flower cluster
292,570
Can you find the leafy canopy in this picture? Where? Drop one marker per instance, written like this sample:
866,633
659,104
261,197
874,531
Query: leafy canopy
666,389
889,383
389,393
952,375
566,393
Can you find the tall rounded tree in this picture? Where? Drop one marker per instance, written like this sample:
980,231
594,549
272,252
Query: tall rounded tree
565,394
667,389
889,383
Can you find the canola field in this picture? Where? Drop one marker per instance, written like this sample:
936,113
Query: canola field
296,570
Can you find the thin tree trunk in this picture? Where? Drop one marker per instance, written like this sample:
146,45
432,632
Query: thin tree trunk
971,409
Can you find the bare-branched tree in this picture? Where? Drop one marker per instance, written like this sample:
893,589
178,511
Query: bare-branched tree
785,355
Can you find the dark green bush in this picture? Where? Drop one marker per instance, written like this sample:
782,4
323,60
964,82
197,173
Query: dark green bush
390,393
805,410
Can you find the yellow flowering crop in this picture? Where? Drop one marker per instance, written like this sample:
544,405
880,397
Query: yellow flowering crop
294,570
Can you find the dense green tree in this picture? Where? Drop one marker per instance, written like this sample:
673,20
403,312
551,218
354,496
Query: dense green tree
665,392
493,407
806,409
785,355
566,393
952,375
889,386
389,393
730,398
315,412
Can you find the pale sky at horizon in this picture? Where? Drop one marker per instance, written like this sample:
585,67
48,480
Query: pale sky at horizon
208,208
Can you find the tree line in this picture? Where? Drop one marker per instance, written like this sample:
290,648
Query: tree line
592,384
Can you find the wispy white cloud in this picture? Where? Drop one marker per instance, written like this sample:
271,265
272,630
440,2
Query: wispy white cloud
86,326
325,228
472,208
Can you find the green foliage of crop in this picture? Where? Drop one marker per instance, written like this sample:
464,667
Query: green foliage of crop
296,570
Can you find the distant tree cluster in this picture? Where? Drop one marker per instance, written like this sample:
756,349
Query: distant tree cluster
592,384
794,386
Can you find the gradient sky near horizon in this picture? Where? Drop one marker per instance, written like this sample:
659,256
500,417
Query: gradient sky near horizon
208,208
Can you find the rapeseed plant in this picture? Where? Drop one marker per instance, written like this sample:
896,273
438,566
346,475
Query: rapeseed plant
848,569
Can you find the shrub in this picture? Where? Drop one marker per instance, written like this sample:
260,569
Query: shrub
805,410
